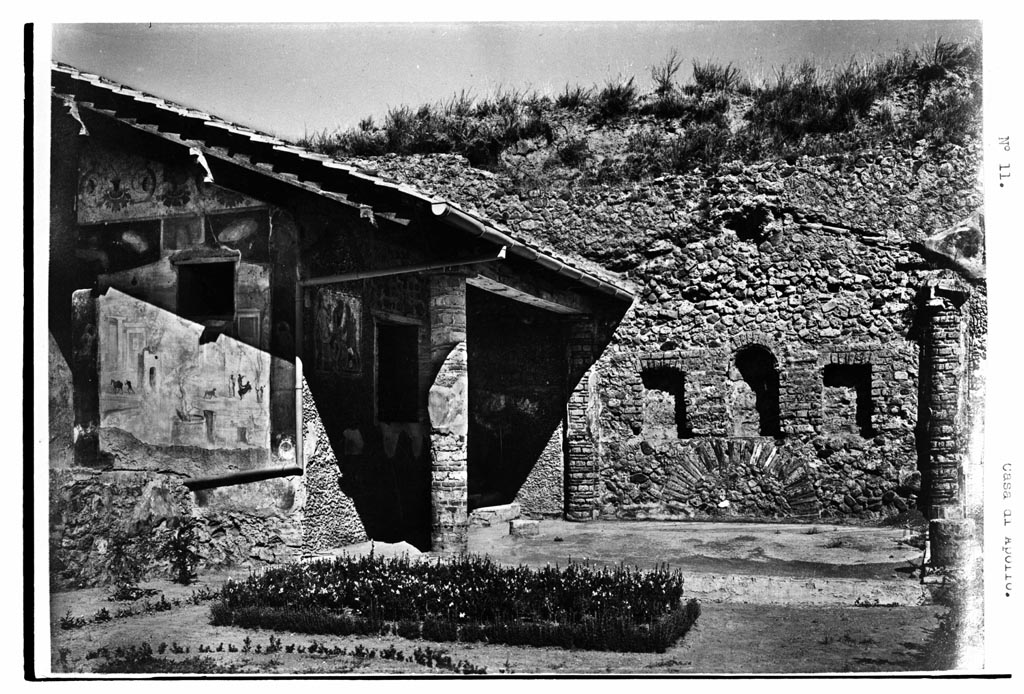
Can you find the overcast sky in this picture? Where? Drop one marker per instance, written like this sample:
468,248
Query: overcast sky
288,79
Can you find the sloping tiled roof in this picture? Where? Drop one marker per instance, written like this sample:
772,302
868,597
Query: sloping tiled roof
265,154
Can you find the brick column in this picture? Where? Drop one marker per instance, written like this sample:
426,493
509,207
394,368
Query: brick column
581,468
449,414
944,348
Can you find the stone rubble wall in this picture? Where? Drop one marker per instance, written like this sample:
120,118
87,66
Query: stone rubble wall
811,259
542,493
252,525
331,516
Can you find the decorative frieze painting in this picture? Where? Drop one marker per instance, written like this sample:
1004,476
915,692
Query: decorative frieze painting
115,186
338,331
119,246
160,384
247,232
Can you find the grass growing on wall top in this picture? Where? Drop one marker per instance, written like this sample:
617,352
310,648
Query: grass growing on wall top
717,115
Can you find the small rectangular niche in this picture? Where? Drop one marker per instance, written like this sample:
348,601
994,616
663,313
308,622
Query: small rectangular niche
664,404
206,291
846,399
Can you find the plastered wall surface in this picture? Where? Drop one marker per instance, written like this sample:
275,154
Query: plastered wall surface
158,399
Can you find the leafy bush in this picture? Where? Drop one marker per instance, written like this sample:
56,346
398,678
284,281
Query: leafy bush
140,660
698,145
710,108
574,98
131,593
948,58
72,622
614,101
950,112
573,152
806,101
651,154
469,598
439,629
712,77
664,74
127,557
180,547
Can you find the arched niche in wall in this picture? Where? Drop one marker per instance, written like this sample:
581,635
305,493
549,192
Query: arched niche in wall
753,392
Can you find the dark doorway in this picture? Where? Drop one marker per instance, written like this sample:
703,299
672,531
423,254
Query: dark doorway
397,372
517,394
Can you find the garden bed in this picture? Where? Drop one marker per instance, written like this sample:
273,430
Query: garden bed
467,599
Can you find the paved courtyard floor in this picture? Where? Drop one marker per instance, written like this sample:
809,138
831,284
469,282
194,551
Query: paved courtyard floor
735,562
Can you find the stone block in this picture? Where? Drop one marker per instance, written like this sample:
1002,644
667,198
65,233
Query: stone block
523,528
491,515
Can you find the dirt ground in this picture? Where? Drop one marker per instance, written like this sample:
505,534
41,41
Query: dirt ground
780,619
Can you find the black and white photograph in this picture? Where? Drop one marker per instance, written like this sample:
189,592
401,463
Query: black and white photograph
422,349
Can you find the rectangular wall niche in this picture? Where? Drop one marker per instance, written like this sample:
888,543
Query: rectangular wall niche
206,291
664,405
846,399
397,372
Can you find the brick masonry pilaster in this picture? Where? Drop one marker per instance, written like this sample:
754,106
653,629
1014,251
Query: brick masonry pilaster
449,415
949,531
581,452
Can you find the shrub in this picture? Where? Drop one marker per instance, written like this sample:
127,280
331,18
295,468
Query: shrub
712,77
179,547
948,58
573,152
440,629
856,87
408,629
694,108
664,74
614,101
71,622
950,112
805,101
131,593
127,558
697,145
650,154
670,105
140,660
399,128
574,98
459,105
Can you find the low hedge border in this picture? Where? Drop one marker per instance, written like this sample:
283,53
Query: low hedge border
609,634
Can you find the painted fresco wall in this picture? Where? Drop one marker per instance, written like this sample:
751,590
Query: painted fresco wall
162,386
366,446
123,228
116,185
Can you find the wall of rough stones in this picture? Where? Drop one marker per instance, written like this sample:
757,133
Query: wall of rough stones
249,526
809,260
